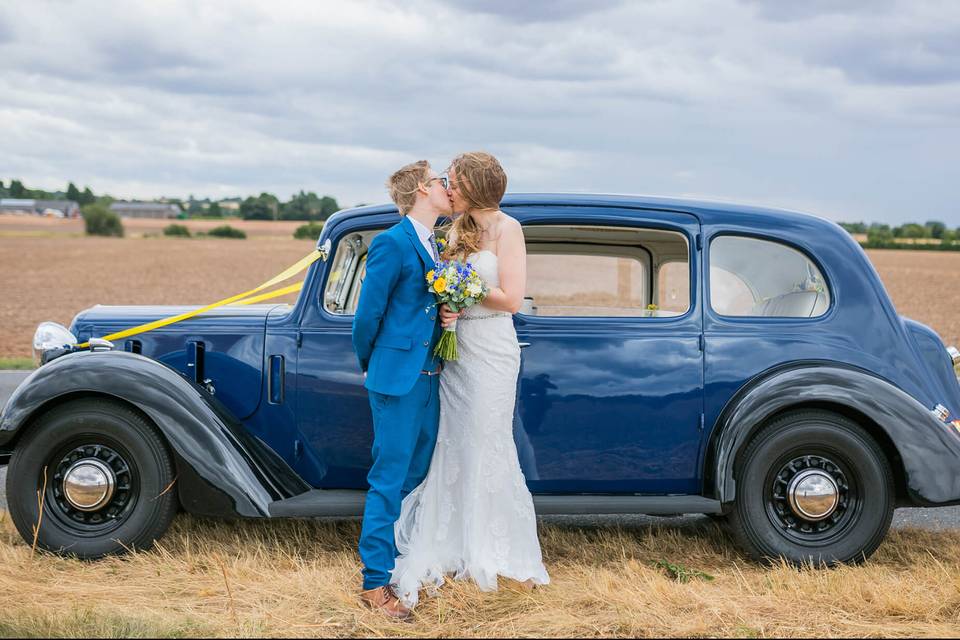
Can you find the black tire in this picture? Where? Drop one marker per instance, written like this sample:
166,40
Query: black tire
113,434
765,523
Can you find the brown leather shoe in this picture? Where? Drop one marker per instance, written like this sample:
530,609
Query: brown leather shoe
384,600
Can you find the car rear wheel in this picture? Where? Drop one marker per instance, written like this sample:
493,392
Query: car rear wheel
103,475
812,487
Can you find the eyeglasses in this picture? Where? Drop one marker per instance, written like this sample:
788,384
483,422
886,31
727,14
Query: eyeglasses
444,180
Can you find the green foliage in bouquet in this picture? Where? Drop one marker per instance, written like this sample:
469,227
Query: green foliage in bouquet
457,285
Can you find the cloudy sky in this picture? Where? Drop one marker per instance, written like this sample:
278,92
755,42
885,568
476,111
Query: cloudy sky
847,109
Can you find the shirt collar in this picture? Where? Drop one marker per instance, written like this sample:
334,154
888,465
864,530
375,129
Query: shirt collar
422,232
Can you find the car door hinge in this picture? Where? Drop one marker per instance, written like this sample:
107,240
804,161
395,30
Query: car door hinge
702,421
299,339
700,342
699,241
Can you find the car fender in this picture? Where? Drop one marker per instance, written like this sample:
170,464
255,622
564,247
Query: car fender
928,448
222,470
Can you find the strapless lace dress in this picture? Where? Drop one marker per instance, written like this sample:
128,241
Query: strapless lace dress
472,517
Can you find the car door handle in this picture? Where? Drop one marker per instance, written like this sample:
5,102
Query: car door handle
275,380
524,344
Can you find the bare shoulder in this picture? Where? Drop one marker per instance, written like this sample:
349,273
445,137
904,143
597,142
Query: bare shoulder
509,227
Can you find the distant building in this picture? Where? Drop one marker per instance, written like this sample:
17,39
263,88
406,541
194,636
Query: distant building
145,210
54,208
230,205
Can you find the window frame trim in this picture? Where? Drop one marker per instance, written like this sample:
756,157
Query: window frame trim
536,320
318,298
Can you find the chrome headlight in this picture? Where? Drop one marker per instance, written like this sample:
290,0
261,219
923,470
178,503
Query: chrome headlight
51,340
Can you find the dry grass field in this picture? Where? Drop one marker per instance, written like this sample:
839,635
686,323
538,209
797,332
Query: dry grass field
299,578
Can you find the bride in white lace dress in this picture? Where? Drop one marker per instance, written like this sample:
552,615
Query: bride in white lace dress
472,517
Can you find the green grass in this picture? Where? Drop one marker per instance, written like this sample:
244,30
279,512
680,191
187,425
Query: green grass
16,363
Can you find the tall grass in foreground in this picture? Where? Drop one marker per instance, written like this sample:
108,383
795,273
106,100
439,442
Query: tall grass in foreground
300,578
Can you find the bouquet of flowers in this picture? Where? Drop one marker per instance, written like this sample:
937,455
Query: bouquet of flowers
459,286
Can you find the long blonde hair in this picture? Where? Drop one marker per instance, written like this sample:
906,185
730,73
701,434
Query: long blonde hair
482,182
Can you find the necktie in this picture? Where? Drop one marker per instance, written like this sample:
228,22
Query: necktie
433,246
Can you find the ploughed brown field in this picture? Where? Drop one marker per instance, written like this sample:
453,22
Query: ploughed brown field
50,271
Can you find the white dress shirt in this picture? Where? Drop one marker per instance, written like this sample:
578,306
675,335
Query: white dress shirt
424,234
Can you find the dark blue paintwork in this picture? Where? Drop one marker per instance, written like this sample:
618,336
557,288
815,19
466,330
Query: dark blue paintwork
606,405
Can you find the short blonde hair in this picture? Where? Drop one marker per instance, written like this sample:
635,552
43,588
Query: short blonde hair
404,182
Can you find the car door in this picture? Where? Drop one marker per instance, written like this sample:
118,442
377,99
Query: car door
610,389
333,411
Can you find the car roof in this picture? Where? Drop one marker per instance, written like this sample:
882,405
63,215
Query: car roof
708,211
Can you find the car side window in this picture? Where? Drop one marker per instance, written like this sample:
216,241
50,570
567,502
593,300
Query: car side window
762,278
600,271
342,292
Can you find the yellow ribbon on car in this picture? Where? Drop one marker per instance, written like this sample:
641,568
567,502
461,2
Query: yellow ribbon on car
247,297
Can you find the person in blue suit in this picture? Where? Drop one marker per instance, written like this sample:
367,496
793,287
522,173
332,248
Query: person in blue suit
395,330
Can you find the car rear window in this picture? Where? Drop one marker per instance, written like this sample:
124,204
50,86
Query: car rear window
762,278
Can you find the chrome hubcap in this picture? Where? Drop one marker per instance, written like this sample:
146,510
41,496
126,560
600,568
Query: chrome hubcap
88,484
813,494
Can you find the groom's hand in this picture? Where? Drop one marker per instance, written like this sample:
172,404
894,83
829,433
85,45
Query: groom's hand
447,317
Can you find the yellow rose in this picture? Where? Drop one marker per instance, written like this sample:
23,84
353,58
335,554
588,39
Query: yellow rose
430,275
440,285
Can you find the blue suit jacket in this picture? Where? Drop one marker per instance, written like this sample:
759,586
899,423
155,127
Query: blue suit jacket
396,320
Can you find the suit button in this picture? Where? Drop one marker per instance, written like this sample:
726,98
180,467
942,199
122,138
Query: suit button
433,317
426,343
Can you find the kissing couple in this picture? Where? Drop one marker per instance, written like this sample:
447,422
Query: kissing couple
447,496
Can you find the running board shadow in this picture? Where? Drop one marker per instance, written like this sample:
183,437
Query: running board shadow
348,502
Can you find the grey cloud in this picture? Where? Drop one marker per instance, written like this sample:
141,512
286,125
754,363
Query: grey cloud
797,11
137,53
720,100
536,11
925,59
6,31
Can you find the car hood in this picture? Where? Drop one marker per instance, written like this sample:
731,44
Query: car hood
223,345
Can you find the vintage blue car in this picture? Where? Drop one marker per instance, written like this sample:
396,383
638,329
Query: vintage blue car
678,357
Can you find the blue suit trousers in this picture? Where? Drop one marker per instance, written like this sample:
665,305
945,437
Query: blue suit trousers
404,436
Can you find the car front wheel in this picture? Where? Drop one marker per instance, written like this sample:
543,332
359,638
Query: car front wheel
103,475
812,487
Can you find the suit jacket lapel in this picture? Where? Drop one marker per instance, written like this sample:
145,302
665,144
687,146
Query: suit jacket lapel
425,257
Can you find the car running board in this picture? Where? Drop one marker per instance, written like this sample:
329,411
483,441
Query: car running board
349,502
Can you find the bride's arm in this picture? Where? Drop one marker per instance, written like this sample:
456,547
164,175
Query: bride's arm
512,260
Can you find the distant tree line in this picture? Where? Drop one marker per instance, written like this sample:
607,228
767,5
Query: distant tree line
885,236
301,206
16,190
